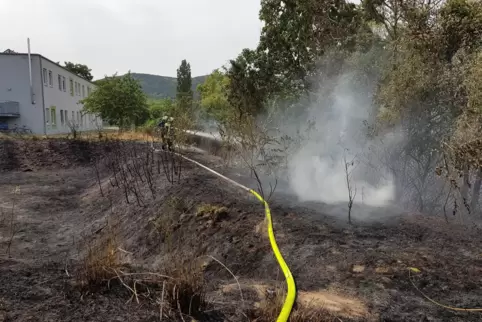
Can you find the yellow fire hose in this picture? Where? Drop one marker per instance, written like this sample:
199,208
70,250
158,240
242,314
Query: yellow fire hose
290,282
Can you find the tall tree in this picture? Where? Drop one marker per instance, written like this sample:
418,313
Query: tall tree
118,100
297,33
248,87
184,84
80,69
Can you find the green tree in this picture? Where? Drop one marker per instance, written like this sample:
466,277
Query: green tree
184,85
118,100
160,107
249,84
79,69
297,33
214,96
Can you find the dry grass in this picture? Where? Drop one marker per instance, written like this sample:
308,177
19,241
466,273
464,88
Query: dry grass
185,292
168,220
90,136
100,261
214,212
320,306
270,308
180,205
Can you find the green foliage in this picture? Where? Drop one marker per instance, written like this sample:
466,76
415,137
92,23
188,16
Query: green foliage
80,69
473,83
160,107
184,85
297,33
461,26
295,36
427,67
214,96
119,101
184,80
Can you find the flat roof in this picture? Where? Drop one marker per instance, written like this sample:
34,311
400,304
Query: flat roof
38,55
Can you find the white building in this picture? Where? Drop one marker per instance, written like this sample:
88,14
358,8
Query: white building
50,105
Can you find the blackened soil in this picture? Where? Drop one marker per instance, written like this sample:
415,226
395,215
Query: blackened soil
52,187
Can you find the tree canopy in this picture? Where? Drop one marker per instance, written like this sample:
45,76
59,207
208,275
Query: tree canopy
419,63
214,96
184,84
118,100
79,69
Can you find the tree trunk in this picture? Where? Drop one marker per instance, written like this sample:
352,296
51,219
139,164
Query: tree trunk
464,191
476,193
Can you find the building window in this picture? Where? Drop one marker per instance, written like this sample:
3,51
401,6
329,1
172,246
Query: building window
83,91
71,87
62,117
53,116
64,88
44,75
66,118
47,116
73,117
60,82
51,79
88,90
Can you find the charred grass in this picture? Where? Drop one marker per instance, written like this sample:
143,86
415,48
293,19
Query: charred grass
152,258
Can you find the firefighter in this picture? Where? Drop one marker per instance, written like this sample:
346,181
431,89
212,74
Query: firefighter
166,132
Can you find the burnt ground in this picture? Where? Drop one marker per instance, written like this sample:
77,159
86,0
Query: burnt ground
353,272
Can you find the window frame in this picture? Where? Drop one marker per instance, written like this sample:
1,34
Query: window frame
44,76
47,116
71,83
64,86
53,118
51,78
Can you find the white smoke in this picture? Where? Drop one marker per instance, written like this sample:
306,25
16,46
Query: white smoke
317,168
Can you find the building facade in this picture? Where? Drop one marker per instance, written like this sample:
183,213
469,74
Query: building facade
51,105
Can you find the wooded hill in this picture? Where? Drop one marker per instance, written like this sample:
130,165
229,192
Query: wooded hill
156,86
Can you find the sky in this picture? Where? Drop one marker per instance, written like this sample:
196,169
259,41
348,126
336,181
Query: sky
143,36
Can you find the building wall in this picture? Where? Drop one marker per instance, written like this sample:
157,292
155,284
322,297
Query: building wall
63,109
15,86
